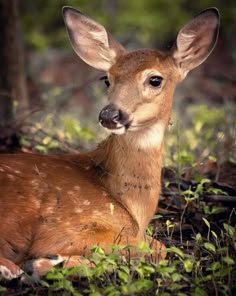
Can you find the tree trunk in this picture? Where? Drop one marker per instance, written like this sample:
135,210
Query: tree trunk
12,80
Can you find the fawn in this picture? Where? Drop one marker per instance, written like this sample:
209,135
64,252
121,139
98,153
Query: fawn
54,208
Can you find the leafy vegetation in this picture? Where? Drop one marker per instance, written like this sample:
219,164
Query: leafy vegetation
206,267
200,236
209,134
52,134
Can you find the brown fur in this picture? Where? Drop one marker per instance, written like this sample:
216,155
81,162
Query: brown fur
63,205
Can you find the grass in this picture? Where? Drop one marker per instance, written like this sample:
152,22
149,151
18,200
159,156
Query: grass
199,233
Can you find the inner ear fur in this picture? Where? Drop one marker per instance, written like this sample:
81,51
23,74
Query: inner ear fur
196,40
90,40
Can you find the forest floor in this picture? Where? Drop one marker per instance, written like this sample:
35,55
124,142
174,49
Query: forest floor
195,220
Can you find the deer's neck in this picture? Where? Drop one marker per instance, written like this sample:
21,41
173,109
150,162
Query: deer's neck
131,169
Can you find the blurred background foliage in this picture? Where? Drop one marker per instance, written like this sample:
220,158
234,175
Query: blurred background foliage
149,21
205,104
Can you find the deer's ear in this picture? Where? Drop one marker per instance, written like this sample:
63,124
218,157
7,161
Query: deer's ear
93,44
196,40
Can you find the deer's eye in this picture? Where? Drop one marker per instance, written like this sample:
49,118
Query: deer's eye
106,80
155,81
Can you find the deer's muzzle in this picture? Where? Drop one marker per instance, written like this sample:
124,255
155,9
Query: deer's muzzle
113,118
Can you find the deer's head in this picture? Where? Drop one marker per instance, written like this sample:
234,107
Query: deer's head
140,83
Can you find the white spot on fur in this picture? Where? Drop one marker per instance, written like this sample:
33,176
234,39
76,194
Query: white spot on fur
17,172
50,209
97,213
78,211
112,207
104,193
86,202
8,274
77,188
35,182
58,188
68,168
7,167
37,203
2,170
70,192
11,177
42,175
21,197
87,168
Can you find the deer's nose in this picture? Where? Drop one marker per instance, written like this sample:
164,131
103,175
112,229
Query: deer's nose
112,117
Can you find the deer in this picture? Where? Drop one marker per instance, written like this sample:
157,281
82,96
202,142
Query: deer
54,208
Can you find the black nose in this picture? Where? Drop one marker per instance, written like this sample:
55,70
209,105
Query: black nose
111,115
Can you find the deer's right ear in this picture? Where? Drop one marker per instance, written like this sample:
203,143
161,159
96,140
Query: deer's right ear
90,40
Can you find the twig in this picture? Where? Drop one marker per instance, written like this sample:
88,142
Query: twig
220,198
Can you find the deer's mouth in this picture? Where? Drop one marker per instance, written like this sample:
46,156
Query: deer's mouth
120,129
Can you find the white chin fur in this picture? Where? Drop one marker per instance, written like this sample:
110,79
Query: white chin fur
150,137
147,138
118,131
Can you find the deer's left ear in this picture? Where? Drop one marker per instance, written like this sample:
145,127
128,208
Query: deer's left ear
196,40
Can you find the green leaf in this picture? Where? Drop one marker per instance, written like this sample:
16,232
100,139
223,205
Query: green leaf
41,148
214,234
163,262
228,260
43,283
175,287
223,271
230,229
204,180
125,269
98,250
167,269
210,247
199,292
145,270
3,289
198,237
54,275
212,158
176,277
155,217
188,265
144,247
111,291
206,222
123,274
216,191
150,229
214,266
176,250
141,285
